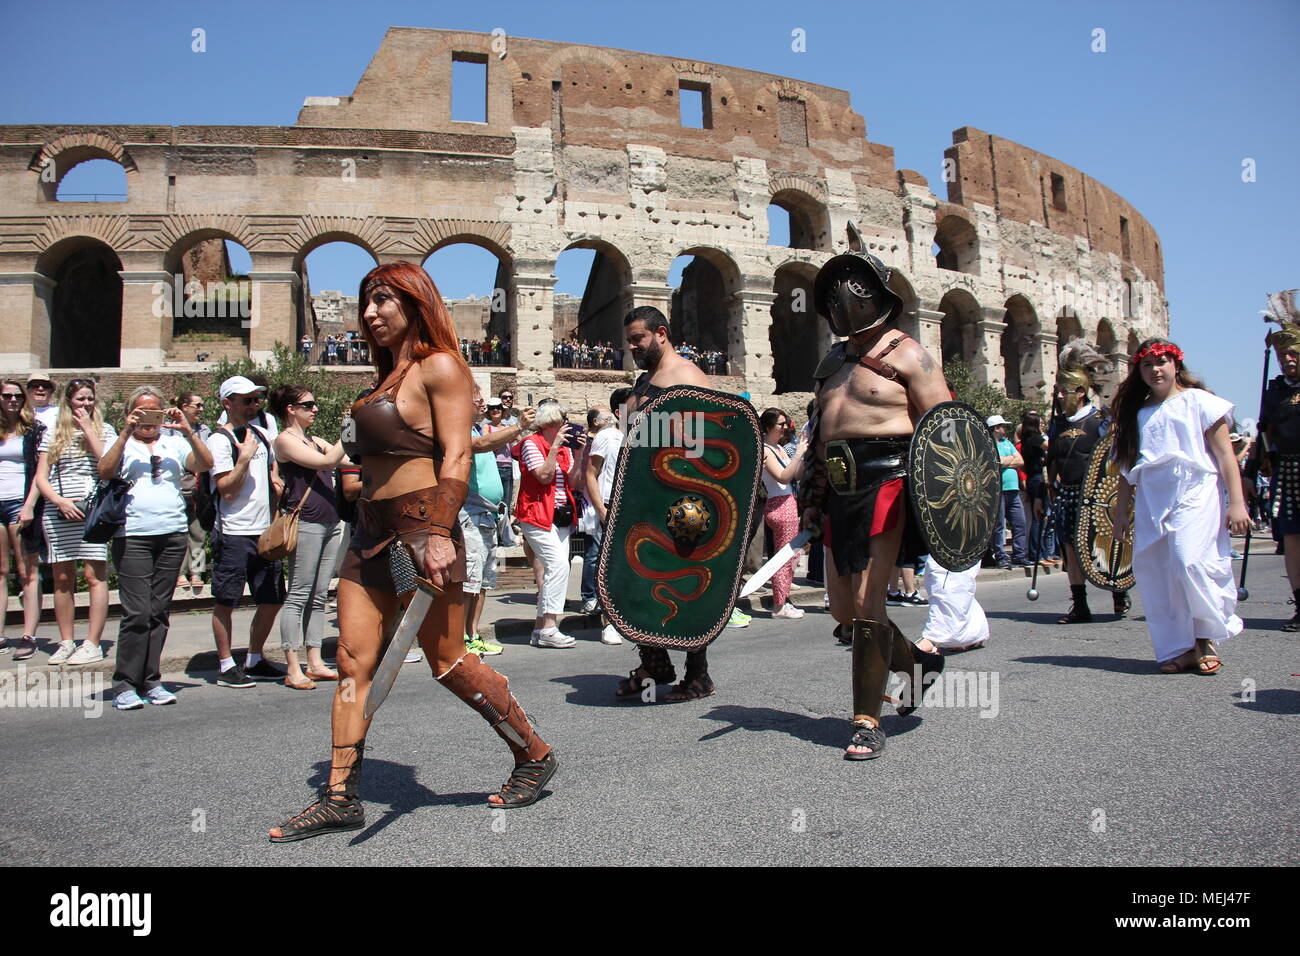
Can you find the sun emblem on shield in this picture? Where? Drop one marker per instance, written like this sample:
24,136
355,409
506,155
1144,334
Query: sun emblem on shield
962,472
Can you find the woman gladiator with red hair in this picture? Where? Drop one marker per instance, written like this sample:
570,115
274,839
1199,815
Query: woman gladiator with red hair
411,436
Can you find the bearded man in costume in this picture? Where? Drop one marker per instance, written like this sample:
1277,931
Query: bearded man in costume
870,390
646,331
1077,426
1279,424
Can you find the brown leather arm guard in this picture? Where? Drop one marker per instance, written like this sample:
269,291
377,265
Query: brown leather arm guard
444,503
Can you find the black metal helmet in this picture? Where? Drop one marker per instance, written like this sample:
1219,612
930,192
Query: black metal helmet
867,277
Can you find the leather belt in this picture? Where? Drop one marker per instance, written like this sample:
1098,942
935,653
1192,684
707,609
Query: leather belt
855,466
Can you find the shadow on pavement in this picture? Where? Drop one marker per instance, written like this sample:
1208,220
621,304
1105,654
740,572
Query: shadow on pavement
833,732
395,785
1051,617
1285,701
597,690
1119,665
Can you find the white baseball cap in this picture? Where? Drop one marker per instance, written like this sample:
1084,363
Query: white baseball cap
238,385
996,420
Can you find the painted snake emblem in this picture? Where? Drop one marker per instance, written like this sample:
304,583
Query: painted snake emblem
724,506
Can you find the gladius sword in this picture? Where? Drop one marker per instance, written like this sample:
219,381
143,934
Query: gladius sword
402,639
774,563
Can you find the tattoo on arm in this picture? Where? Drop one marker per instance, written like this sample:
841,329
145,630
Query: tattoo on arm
927,363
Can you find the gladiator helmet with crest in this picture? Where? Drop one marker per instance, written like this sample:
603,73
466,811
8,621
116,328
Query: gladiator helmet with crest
855,276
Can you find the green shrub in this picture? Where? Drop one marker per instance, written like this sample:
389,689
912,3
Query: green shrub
986,399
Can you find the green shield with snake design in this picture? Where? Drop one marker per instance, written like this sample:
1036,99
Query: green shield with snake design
1106,559
955,482
680,514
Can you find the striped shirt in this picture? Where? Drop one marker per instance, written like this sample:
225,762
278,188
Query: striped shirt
534,459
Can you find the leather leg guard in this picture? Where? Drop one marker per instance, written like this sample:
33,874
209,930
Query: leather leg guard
488,692
906,657
657,664
697,664
872,649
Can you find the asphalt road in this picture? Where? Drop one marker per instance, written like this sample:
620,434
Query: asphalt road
1090,758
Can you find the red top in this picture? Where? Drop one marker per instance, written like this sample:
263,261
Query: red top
536,504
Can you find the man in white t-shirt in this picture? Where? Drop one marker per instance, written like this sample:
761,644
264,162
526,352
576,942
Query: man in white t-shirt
602,457
247,481
41,400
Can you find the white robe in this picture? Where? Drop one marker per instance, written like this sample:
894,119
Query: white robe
1182,553
956,618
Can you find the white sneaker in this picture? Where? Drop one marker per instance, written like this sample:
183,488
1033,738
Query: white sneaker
413,656
788,611
63,653
87,653
610,636
554,638
589,606
826,601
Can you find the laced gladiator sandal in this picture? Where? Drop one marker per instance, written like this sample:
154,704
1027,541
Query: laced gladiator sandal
526,782
488,692
334,811
1122,603
873,646
1079,612
1290,626
696,683
655,666
905,655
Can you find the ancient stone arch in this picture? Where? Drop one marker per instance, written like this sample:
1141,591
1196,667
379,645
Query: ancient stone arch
603,157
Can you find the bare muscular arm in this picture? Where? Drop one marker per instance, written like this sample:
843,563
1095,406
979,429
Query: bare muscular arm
925,385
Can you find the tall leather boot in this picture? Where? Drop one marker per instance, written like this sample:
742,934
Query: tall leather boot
906,657
488,692
1079,612
873,646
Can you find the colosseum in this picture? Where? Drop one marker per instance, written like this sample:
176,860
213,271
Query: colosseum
587,148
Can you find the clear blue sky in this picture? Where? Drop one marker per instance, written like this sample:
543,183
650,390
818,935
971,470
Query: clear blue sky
1185,91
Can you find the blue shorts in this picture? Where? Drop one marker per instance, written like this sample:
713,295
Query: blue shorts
9,511
236,563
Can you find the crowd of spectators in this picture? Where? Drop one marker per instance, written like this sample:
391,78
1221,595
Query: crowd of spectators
570,353
340,348
490,350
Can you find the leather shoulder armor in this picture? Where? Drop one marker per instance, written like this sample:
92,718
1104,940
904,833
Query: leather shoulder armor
832,361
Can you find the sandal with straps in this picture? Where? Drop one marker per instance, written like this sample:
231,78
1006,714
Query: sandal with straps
526,782
693,689
333,811
865,735
634,683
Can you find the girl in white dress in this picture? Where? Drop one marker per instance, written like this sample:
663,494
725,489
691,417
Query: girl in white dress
1171,443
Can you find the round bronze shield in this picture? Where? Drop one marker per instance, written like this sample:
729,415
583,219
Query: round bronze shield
955,482
1107,561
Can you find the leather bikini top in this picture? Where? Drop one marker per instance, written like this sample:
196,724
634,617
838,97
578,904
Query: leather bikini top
376,427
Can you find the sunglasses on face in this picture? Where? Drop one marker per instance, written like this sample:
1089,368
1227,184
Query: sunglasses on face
250,399
16,396
199,405
309,406
505,396
40,386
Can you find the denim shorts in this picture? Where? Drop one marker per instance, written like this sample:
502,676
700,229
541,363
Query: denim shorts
9,511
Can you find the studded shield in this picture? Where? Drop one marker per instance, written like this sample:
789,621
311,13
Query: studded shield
1107,560
680,510
955,483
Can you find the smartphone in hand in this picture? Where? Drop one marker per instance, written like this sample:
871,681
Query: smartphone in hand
152,416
